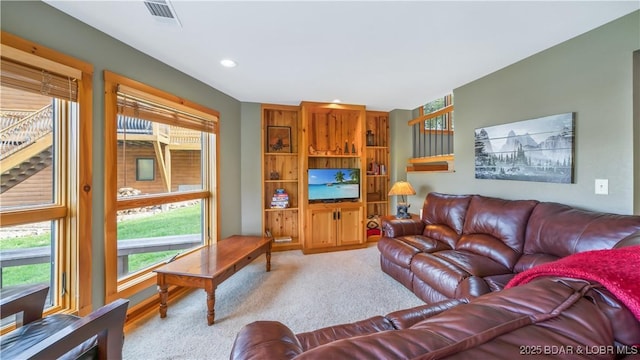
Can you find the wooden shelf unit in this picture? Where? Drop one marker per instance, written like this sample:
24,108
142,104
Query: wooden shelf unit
324,135
377,183
333,137
285,162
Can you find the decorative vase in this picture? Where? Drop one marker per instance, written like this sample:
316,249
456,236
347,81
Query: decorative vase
353,148
346,147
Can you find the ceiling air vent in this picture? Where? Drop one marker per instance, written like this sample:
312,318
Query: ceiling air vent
162,11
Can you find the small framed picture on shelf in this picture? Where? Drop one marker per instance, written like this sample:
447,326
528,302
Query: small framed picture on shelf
278,139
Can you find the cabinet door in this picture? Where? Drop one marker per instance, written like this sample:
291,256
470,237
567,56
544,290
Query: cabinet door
350,228
322,228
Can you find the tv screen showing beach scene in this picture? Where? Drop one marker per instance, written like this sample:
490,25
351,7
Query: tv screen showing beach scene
334,184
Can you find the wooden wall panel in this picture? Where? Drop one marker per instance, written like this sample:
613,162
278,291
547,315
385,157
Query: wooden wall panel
285,166
336,130
185,168
37,189
127,156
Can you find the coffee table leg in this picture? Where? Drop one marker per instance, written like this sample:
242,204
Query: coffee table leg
211,303
163,294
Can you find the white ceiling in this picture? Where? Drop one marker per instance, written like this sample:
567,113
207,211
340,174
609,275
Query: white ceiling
383,54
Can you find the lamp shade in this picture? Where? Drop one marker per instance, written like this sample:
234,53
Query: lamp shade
402,188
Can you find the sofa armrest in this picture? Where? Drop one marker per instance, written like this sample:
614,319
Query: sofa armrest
106,323
315,338
265,340
630,240
402,227
403,319
27,303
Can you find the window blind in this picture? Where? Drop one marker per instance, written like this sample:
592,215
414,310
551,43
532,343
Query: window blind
135,104
35,80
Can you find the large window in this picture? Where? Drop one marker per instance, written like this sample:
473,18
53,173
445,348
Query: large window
161,156
45,160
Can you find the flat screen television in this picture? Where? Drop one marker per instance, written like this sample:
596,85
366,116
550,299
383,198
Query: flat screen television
334,184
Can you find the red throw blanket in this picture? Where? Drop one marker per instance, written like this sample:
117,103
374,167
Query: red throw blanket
618,270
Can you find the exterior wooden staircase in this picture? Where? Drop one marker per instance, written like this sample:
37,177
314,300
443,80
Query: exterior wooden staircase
26,140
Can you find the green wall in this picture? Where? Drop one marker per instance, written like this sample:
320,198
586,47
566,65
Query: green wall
251,167
590,75
41,23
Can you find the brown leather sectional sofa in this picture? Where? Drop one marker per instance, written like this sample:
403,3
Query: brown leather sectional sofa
459,258
547,318
468,245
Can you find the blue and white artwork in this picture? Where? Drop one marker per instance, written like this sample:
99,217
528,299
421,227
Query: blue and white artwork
539,149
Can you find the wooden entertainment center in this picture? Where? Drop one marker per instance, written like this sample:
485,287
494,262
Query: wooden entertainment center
322,136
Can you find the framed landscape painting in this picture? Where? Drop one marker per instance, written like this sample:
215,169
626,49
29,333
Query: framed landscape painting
539,149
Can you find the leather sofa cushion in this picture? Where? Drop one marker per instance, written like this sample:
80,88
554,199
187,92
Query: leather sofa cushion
496,228
438,273
405,318
527,261
312,339
498,282
561,230
424,243
426,293
444,216
401,274
455,274
397,252
473,264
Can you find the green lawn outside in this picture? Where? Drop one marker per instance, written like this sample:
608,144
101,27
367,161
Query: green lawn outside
181,221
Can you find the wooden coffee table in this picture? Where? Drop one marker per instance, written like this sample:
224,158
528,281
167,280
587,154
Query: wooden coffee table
210,266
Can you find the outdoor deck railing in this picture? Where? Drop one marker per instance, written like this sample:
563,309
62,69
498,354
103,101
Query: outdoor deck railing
173,134
19,129
40,255
432,134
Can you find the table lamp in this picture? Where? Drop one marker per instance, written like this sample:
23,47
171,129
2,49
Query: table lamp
403,189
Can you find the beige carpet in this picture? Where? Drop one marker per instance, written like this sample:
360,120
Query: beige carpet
305,292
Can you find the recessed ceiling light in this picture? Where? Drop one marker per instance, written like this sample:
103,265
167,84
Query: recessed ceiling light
228,63
337,101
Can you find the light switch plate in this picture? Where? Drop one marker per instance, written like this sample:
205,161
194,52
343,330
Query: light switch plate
602,186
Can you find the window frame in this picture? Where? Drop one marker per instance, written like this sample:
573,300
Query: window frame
447,121
136,282
73,206
446,112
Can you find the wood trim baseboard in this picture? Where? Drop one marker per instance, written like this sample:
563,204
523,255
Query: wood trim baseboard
149,307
